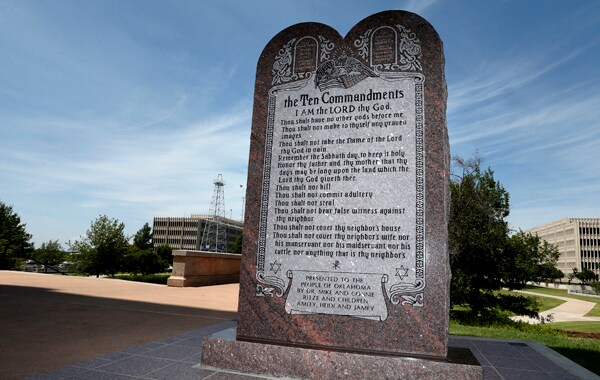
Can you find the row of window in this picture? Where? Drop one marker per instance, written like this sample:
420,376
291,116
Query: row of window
565,243
589,242
175,242
590,254
180,232
547,236
592,266
175,231
589,230
163,235
175,223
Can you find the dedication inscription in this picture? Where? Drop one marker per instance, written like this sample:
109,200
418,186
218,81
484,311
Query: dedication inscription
343,192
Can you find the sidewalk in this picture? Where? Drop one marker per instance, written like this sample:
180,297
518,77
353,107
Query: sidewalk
177,357
54,327
573,310
50,321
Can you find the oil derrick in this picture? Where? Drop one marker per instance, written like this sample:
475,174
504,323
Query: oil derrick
214,237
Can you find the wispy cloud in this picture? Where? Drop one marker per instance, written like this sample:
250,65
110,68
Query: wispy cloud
420,6
515,71
163,172
534,117
132,111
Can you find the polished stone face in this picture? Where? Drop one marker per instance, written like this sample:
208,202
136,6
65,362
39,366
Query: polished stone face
345,243
341,222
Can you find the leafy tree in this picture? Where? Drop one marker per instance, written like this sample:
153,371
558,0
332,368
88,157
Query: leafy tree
143,238
102,250
50,253
477,235
596,286
585,275
484,258
575,274
165,253
144,261
15,243
527,258
142,258
236,247
555,274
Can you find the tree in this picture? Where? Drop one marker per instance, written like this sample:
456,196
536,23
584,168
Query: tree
236,247
143,238
15,244
555,274
102,250
477,235
144,261
484,257
527,258
165,253
596,286
50,253
585,275
141,257
575,274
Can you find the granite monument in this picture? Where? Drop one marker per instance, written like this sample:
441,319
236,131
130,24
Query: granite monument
345,239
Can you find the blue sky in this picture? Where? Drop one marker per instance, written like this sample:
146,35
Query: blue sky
132,108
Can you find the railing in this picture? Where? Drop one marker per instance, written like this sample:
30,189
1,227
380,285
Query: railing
585,291
40,267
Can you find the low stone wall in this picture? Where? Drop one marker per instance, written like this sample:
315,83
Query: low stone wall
199,268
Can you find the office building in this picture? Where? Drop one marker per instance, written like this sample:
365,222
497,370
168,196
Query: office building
186,233
578,241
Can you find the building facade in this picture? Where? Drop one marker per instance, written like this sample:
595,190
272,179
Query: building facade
186,233
578,241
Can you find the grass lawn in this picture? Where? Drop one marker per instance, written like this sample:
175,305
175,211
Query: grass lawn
583,351
595,312
545,303
560,293
577,326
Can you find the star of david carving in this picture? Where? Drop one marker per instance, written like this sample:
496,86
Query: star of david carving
402,272
275,266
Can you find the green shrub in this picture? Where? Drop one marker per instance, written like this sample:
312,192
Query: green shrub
157,278
145,261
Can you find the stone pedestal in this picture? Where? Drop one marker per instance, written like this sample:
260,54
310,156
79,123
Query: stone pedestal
199,268
305,363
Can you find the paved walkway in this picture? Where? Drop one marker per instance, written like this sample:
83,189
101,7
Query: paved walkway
177,357
54,327
573,310
49,321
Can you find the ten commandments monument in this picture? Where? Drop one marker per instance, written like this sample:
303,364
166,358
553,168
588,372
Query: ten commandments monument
345,238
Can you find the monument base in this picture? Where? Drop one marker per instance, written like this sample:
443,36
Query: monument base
304,363
199,268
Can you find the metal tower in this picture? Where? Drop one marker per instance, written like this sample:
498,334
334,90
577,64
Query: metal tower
214,237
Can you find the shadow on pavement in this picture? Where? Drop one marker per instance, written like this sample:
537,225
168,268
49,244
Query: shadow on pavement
42,330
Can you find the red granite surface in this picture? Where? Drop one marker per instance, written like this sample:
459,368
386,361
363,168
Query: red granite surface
408,331
272,360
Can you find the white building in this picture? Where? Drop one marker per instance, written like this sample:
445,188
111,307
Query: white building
578,241
186,233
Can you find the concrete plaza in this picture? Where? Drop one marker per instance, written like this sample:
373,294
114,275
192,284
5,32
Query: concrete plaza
54,327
